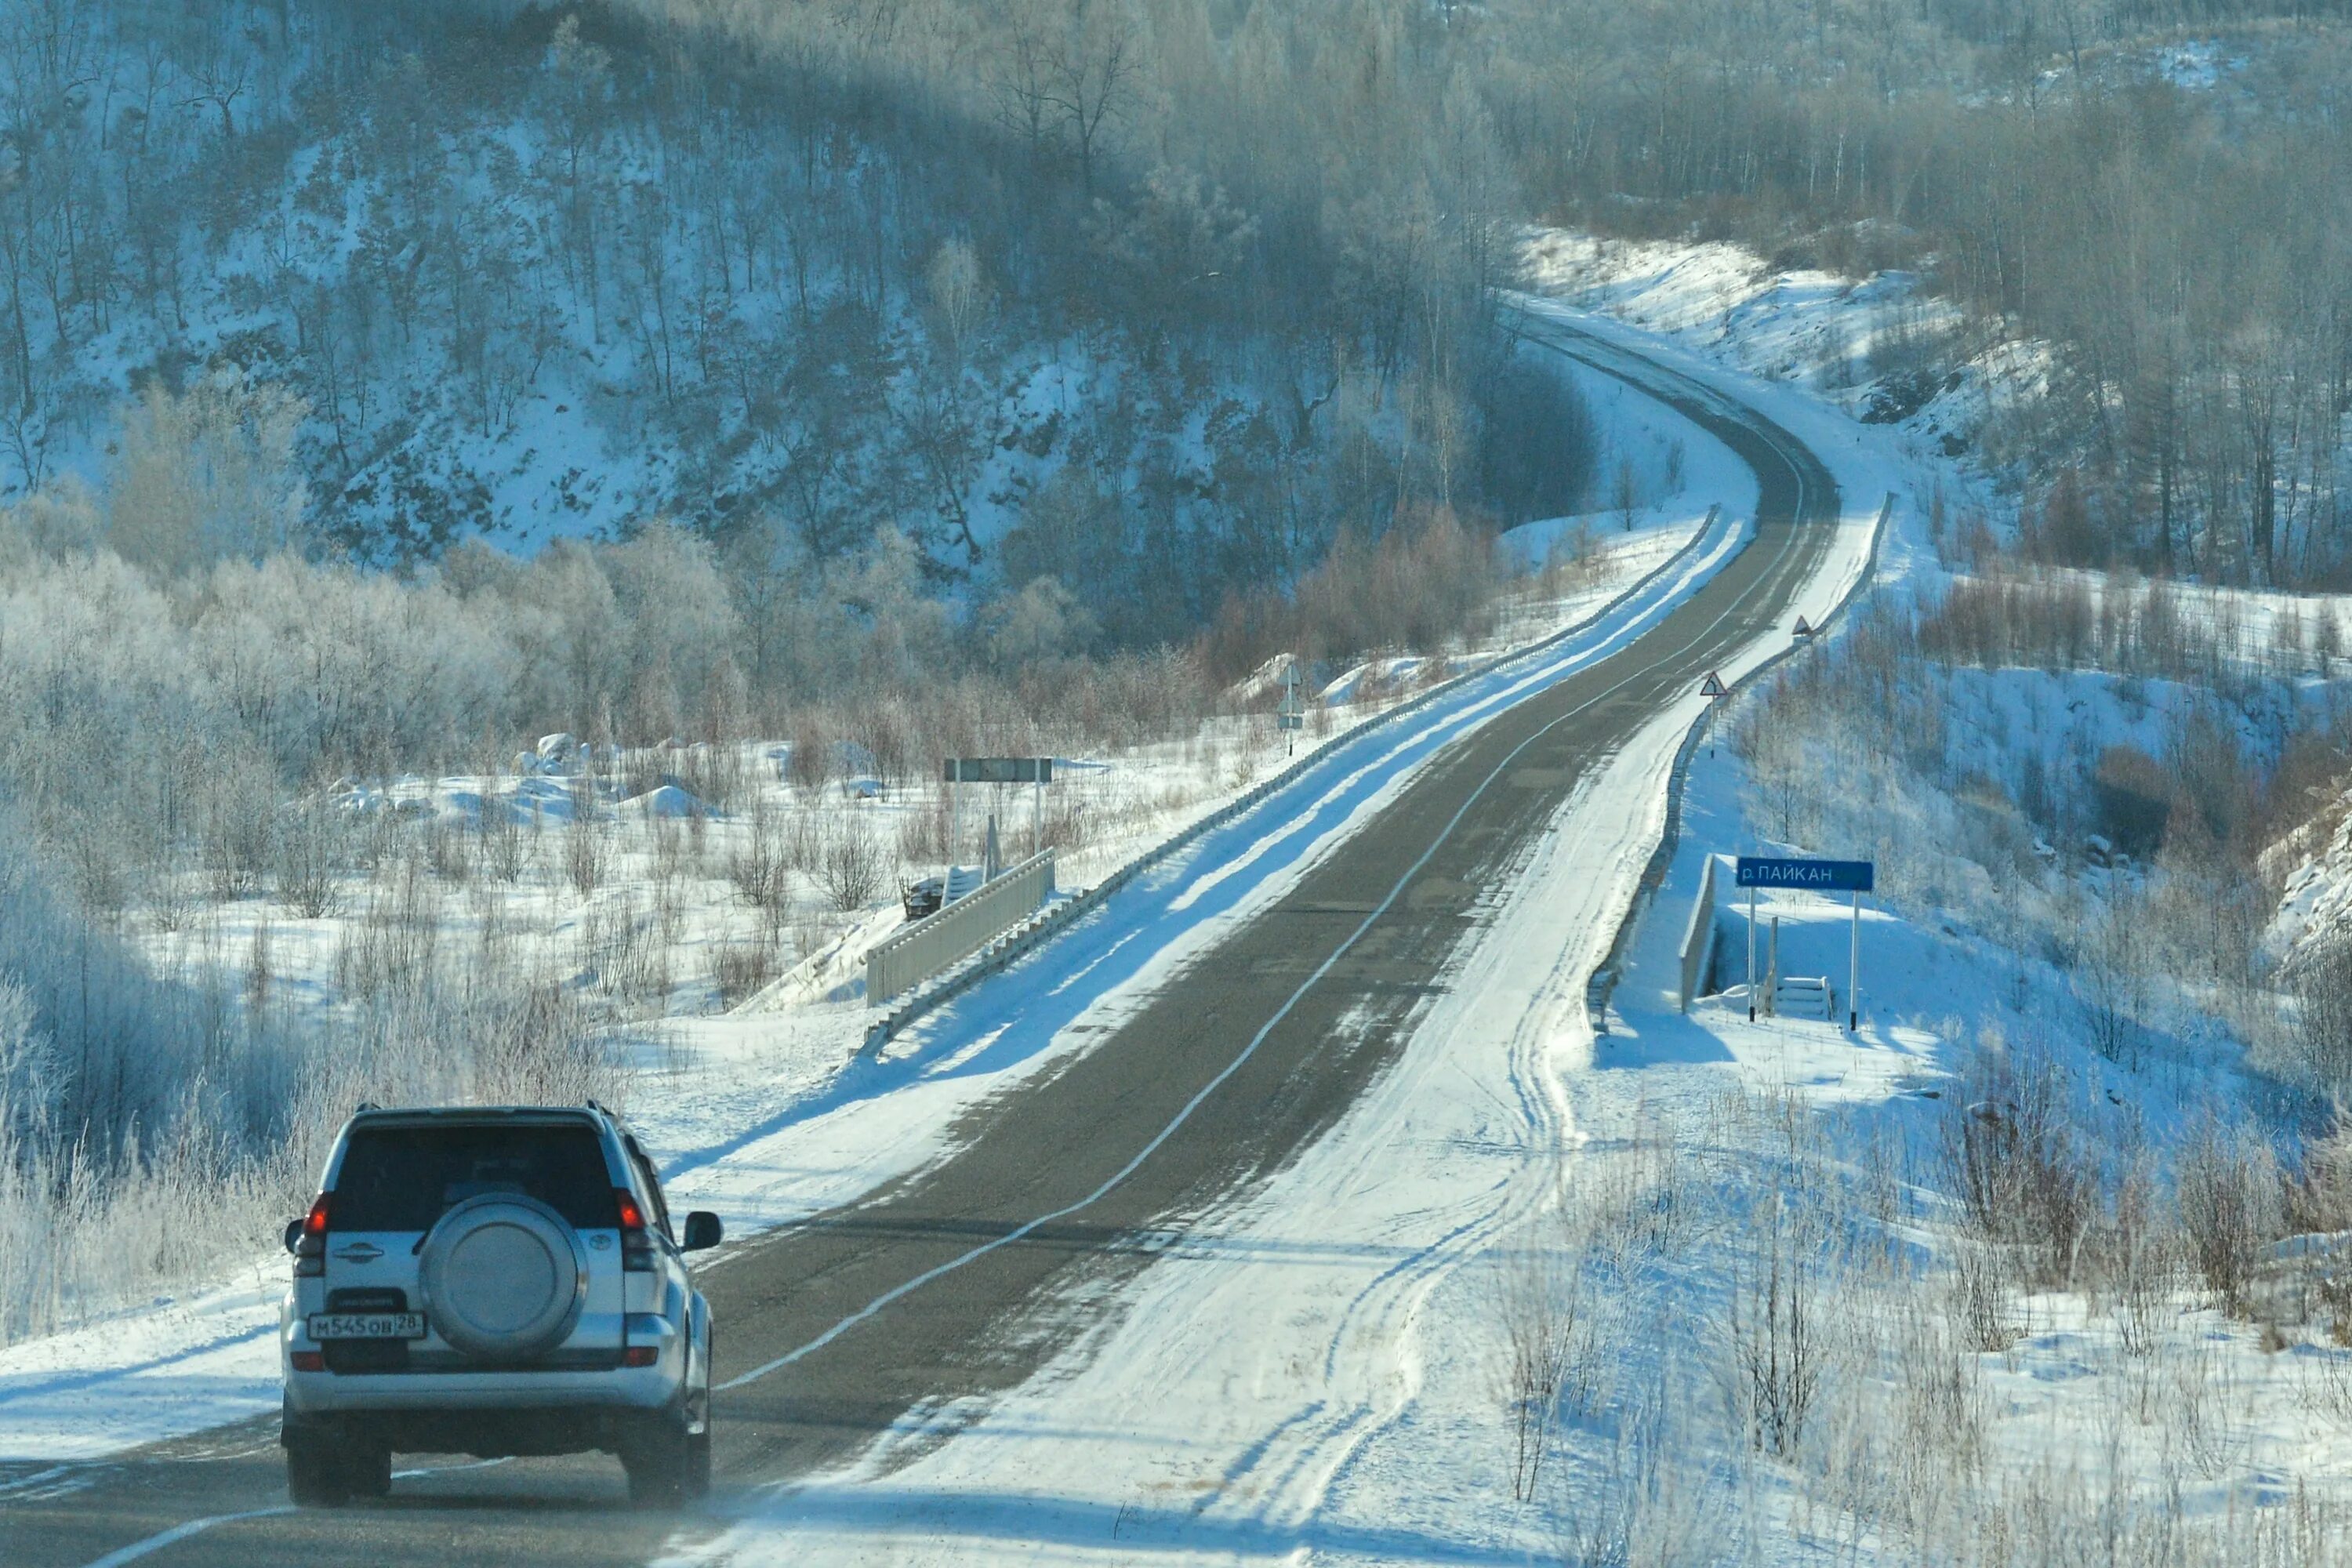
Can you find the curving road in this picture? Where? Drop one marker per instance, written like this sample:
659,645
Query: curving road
960,1281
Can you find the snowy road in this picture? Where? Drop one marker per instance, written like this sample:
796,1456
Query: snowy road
1055,1337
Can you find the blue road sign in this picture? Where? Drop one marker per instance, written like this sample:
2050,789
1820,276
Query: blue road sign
1822,876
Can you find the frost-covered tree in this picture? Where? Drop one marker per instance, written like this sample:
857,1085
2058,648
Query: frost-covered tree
208,474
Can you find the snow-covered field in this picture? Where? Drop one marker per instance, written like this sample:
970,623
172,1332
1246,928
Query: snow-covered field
760,1104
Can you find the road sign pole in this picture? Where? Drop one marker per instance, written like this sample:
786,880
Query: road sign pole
1751,954
1853,970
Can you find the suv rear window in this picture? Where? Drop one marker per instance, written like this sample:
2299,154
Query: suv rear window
406,1178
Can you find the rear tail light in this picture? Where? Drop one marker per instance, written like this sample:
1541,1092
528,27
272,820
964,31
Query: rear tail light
309,1361
641,1356
636,1242
310,1251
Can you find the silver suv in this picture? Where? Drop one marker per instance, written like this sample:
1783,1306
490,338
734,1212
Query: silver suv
493,1282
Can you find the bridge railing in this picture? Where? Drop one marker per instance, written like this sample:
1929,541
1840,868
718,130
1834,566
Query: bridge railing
913,954
1698,937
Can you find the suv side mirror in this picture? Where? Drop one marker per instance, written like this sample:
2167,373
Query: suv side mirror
294,1233
702,1232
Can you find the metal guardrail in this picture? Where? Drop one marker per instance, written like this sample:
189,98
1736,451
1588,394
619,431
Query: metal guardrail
903,961
1057,919
1698,937
1603,981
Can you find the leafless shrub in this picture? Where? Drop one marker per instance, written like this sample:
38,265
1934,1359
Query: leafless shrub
311,860
714,773
532,1043
758,867
2111,976
380,838
740,967
2229,1207
1639,1198
446,845
2322,983
924,832
2136,1255
2204,1405
238,828
621,946
1069,827
1644,1512
171,899
809,766
500,827
1774,1330
1550,1353
643,768
1979,1296
259,972
388,951
1935,1360
809,937
585,851
853,864
2021,1175
805,833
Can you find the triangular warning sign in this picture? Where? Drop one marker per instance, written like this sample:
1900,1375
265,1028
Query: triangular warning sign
1802,629
1712,686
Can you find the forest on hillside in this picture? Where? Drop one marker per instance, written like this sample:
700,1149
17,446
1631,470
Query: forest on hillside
1058,288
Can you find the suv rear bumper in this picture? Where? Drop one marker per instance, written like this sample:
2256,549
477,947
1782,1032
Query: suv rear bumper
312,1397
492,1433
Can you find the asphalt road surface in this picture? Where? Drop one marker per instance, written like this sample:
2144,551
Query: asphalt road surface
961,1280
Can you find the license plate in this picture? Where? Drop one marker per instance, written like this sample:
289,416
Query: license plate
367,1325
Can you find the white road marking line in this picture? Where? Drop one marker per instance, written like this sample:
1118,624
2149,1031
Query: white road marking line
179,1532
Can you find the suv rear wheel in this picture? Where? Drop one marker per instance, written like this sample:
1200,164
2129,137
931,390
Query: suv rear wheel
327,1471
667,1465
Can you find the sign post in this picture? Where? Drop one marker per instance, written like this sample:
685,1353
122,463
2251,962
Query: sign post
1715,691
1291,716
1853,970
1855,877
1751,952
1037,770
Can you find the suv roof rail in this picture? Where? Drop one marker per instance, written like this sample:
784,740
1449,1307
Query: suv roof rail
365,1106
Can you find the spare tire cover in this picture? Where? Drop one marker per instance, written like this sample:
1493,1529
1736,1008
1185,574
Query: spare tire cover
503,1277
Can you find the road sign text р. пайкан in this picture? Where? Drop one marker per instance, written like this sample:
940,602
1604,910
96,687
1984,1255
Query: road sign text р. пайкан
1820,875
